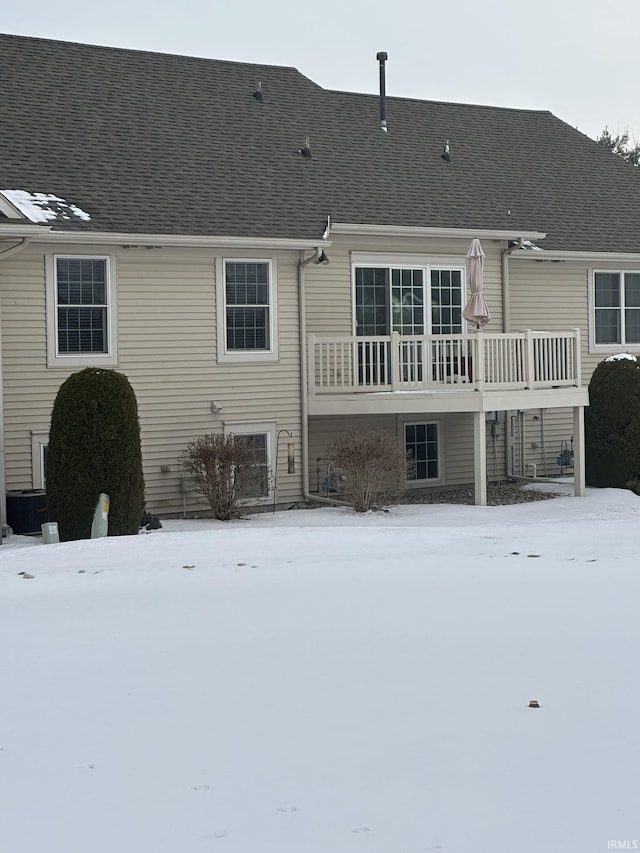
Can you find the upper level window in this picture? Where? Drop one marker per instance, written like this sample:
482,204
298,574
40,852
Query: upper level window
247,296
248,310
617,307
410,300
80,310
81,291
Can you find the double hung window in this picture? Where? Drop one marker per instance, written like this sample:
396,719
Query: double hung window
260,437
80,310
617,308
422,447
247,309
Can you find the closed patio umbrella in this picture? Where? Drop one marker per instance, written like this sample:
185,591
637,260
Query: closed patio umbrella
476,310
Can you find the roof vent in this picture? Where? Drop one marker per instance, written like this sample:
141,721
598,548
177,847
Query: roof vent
446,152
382,57
258,93
305,151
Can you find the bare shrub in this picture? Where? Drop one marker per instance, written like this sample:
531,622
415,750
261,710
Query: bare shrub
375,465
226,470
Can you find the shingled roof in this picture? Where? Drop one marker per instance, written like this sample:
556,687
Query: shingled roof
150,143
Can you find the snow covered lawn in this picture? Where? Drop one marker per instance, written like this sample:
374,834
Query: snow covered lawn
320,682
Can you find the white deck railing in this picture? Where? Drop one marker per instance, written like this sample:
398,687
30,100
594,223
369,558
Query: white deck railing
515,360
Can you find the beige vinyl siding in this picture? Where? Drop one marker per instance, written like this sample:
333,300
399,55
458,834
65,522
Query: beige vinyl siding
167,348
329,290
538,438
329,304
456,441
551,297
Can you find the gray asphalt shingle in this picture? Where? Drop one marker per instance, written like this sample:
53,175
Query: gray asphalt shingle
160,144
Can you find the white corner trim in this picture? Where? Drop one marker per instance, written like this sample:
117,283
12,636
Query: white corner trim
39,440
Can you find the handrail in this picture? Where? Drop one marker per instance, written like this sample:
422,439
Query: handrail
474,360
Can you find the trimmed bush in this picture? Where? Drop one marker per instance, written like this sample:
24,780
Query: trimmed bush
94,447
612,424
226,470
375,465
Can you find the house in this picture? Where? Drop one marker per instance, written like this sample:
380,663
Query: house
171,217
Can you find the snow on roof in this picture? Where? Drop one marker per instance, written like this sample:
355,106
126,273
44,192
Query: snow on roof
622,355
44,207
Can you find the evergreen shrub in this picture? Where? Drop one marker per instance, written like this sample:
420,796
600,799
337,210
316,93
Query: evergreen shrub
94,447
612,425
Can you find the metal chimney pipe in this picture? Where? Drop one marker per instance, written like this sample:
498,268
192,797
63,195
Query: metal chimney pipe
382,57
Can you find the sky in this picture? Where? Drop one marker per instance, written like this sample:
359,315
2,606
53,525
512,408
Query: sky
576,58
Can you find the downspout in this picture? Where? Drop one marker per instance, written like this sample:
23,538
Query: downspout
304,387
506,319
6,253
506,327
304,402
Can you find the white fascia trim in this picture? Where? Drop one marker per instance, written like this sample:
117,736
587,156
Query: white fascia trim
356,229
10,210
11,232
176,240
596,257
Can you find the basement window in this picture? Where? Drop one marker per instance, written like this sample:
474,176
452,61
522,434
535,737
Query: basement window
422,447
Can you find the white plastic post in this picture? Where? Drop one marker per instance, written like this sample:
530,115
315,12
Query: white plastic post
100,526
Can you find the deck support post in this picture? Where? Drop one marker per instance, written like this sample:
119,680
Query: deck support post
578,452
480,458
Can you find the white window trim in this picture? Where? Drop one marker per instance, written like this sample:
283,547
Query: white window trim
412,262
39,440
237,356
88,359
253,428
423,484
609,349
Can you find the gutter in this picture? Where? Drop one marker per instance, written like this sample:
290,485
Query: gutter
157,241
551,255
6,253
358,229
